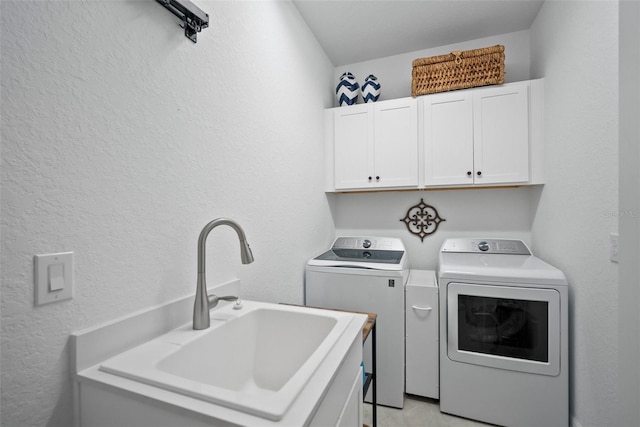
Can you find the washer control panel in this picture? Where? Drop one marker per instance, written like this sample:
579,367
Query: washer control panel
487,246
372,243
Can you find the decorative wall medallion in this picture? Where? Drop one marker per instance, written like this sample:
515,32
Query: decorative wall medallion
422,220
347,90
370,89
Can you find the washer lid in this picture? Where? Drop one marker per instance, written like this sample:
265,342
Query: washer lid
362,255
380,253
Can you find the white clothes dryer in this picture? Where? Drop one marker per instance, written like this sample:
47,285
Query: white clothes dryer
367,274
503,334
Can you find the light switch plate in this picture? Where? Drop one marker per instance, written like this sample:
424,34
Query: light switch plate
53,277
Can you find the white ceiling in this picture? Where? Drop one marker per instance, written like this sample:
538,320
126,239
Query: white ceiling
353,31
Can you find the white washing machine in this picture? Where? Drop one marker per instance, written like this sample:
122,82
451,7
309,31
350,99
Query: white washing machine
367,274
503,334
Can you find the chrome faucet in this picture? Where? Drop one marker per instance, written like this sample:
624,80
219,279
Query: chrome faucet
205,302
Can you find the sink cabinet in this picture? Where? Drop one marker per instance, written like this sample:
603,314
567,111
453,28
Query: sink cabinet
375,145
107,404
332,395
351,414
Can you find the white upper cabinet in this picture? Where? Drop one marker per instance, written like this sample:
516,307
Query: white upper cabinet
501,135
447,121
353,145
375,145
396,143
489,136
477,136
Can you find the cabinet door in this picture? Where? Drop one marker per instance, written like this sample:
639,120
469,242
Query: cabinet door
351,414
396,143
422,357
353,146
501,134
448,138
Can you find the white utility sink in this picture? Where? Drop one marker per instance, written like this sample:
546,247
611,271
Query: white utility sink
256,359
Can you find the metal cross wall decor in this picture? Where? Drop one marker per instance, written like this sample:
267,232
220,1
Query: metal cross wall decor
422,220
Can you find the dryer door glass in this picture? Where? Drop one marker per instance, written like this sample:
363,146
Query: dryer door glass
505,327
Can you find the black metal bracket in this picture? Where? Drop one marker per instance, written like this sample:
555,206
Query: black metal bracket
193,18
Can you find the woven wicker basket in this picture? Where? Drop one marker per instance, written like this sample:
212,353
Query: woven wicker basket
458,70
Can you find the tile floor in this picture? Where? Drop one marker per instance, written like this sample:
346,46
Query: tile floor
417,412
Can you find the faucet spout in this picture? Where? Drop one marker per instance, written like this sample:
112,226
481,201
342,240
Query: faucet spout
203,302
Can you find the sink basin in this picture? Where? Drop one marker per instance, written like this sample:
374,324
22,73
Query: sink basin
256,359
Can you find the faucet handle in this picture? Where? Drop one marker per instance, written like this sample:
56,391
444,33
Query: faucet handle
214,299
229,298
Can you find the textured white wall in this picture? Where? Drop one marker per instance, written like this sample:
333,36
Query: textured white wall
121,139
394,72
629,216
484,213
575,47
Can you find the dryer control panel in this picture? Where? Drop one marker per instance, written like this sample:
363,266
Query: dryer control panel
487,246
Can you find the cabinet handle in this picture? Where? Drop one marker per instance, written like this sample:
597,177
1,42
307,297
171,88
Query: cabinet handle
479,173
377,178
415,307
468,173
369,178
